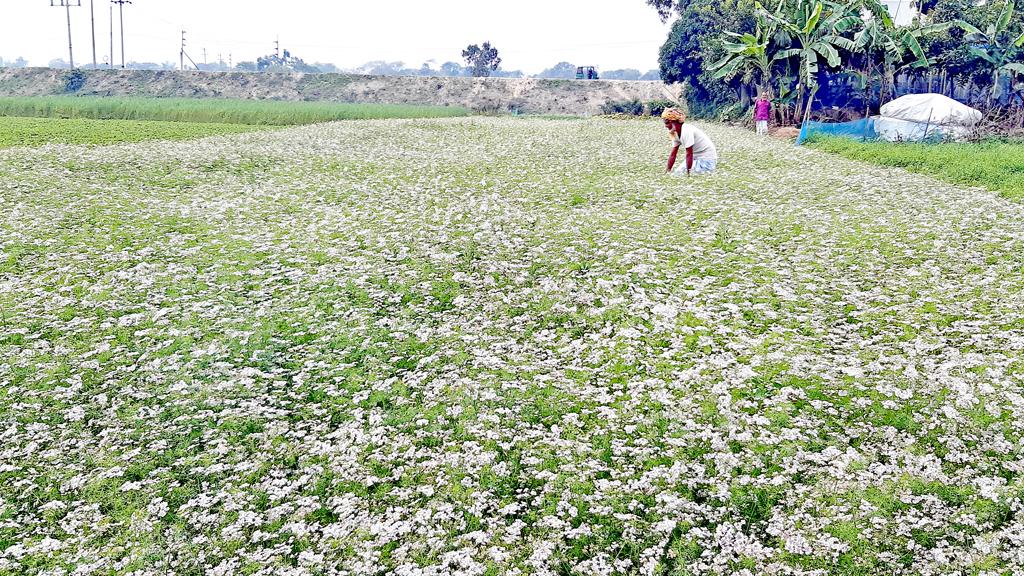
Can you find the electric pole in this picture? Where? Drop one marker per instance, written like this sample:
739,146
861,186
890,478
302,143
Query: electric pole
111,36
204,56
185,54
66,5
92,18
277,47
121,4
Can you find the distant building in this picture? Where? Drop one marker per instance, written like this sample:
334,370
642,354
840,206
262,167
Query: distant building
903,11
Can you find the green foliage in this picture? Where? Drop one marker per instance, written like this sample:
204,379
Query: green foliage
482,59
994,165
750,53
562,70
270,113
637,107
716,48
695,39
74,80
998,47
694,44
16,131
815,29
733,112
656,107
286,63
884,48
631,107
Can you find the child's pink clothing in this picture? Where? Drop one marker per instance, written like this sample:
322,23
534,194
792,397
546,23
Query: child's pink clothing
762,110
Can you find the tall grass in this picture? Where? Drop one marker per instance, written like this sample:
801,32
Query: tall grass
254,112
18,131
996,165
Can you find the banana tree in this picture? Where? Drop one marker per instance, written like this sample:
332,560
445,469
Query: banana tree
897,48
750,54
816,28
996,46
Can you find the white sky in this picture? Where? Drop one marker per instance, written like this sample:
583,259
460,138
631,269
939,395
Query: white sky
530,34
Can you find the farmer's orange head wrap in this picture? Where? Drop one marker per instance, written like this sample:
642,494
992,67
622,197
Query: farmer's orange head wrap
674,115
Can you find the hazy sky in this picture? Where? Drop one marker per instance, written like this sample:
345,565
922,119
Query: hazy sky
530,34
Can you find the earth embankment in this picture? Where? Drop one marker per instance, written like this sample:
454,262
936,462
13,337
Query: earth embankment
528,95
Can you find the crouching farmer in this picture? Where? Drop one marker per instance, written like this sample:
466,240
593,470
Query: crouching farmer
701,155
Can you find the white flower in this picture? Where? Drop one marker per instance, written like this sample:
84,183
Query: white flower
157,508
74,414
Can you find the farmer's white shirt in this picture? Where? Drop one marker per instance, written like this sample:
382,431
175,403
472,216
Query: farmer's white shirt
703,147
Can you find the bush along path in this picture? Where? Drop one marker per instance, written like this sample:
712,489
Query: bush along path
503,346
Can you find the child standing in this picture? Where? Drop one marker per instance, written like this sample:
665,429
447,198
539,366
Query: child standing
762,112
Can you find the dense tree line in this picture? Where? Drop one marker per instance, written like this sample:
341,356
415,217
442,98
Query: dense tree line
567,70
797,50
18,62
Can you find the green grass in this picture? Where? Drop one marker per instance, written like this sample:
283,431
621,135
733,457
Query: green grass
16,131
256,112
998,166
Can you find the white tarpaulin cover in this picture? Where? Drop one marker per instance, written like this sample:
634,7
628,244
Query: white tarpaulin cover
921,116
941,110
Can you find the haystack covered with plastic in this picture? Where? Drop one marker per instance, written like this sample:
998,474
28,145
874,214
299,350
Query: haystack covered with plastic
916,117
910,118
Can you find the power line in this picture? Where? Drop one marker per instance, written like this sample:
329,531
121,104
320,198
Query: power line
66,5
92,21
121,4
184,54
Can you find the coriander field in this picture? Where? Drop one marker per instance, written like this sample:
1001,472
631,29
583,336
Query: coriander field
503,346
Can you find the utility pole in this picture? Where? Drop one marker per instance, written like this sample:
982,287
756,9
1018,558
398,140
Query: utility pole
277,47
111,36
121,4
185,54
92,18
204,56
66,5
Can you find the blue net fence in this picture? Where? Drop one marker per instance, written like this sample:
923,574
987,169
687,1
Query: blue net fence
887,129
863,129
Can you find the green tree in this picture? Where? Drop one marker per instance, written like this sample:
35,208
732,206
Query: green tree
694,44
381,68
752,55
815,27
623,74
950,51
286,63
879,41
482,59
17,63
997,47
452,69
563,70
